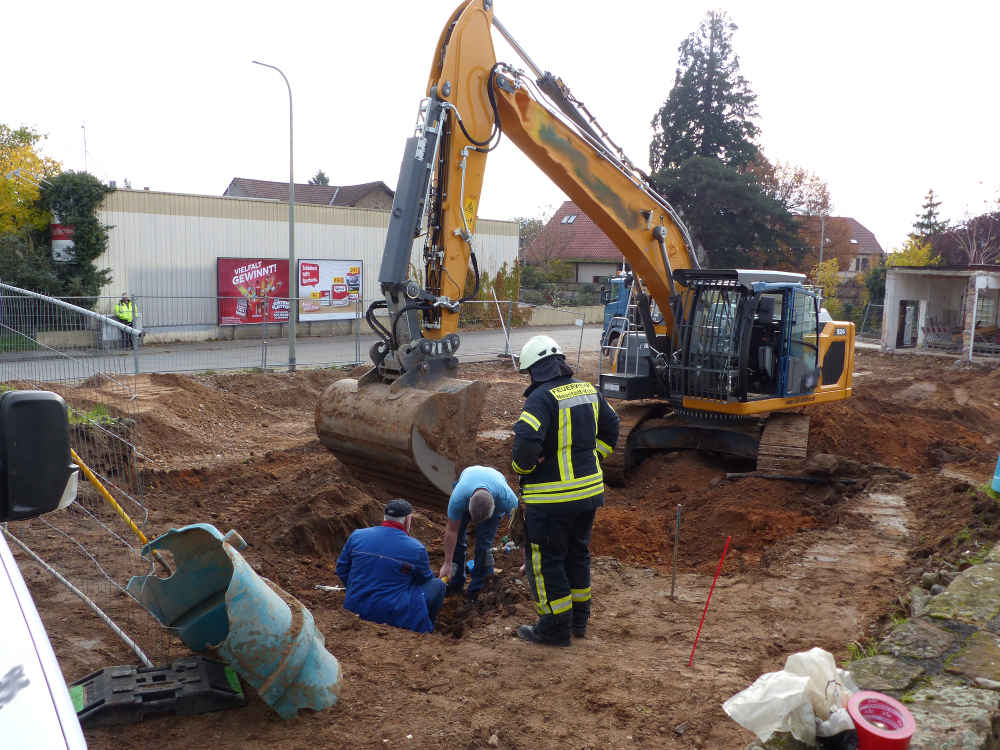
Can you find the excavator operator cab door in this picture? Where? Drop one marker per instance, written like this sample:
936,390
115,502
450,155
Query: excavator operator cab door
782,356
801,365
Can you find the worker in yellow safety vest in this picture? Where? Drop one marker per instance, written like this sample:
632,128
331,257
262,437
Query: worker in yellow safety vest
564,431
125,313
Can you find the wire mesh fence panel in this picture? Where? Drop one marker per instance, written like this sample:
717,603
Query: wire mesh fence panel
92,362
871,323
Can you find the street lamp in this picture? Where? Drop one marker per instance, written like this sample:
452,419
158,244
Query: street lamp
292,313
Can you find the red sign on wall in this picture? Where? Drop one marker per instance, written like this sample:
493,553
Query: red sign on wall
252,290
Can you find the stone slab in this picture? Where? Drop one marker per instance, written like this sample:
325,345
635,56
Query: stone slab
953,718
973,597
994,555
884,673
979,658
918,639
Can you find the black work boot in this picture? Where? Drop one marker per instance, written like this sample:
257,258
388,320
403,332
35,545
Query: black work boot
530,634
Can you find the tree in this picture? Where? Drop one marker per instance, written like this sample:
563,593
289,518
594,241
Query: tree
797,189
977,239
928,221
703,154
319,178
914,252
22,171
710,108
75,197
735,221
528,229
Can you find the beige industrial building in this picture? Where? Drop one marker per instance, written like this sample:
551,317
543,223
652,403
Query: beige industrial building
163,249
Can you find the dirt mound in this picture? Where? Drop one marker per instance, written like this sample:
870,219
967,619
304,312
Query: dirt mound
295,508
920,414
637,526
321,524
277,389
499,596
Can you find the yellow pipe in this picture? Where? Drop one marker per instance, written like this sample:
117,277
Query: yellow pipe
107,495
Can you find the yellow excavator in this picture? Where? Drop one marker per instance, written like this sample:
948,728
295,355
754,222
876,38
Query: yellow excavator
703,358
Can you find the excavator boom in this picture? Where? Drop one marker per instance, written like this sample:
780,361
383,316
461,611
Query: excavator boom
408,417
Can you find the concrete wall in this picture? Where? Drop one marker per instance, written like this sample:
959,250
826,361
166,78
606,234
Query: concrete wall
563,316
165,245
945,301
585,272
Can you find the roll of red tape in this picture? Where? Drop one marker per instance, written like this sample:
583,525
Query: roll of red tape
882,722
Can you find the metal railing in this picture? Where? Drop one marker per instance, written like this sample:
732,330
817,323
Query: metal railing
871,323
185,334
50,344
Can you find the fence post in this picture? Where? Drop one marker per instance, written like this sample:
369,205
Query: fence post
357,331
263,346
510,309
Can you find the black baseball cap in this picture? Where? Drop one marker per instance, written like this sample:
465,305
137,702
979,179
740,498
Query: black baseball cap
398,508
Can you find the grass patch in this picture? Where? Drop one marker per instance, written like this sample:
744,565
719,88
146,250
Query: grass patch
857,650
97,415
13,342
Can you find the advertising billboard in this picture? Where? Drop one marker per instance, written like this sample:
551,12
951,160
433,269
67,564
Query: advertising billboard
252,290
329,289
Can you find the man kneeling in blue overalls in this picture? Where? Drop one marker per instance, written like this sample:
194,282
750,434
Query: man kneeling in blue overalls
388,575
482,497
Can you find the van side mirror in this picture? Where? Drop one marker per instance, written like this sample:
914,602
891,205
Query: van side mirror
605,295
36,473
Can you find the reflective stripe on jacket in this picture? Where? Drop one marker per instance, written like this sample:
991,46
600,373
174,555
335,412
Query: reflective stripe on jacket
569,425
123,311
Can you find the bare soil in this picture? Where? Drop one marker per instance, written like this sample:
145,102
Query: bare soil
240,451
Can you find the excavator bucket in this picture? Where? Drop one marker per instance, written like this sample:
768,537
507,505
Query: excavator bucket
413,441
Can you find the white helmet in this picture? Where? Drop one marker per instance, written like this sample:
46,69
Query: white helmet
538,348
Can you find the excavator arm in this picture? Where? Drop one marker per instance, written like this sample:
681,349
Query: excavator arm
472,100
407,422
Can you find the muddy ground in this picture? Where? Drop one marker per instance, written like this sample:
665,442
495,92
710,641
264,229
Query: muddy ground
809,565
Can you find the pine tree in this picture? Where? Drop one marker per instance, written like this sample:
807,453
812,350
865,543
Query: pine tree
319,178
929,222
710,108
704,158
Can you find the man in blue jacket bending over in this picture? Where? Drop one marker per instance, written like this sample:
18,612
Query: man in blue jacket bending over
481,496
388,575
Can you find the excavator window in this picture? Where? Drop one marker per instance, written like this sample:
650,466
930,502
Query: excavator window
764,354
803,349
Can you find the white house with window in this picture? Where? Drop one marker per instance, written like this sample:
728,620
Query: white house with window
948,308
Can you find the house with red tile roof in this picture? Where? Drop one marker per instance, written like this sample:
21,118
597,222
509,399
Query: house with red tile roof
844,238
367,195
571,236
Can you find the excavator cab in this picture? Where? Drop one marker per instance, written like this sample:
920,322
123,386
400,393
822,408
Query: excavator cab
743,336
739,337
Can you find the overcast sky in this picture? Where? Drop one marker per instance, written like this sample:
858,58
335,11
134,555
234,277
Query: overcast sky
883,100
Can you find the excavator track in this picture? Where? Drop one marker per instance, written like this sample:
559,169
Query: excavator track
784,444
631,414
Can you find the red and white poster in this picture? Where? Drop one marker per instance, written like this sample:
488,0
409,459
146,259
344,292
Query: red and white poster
252,290
329,289
62,241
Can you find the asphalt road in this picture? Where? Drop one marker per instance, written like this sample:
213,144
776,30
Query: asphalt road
272,354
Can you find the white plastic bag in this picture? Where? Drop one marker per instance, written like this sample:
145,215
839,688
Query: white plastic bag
829,687
805,698
776,702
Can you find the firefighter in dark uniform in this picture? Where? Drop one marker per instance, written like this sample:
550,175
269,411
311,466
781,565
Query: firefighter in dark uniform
565,430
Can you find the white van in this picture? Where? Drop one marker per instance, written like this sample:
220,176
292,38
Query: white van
36,476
